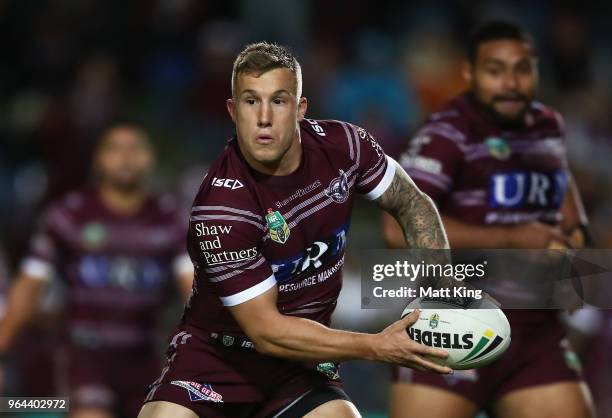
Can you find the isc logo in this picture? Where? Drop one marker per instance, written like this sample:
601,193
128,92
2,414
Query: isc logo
316,127
228,183
518,189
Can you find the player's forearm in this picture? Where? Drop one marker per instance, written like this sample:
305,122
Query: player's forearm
21,306
415,212
302,339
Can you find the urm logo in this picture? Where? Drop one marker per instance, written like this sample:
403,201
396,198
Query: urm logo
518,189
315,256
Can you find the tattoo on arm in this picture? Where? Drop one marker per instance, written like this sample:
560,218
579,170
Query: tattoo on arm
414,211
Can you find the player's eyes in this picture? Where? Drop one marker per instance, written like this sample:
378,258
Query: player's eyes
278,101
250,101
494,71
524,69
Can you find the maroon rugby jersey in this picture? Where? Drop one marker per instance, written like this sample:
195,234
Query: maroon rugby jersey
118,269
480,174
249,231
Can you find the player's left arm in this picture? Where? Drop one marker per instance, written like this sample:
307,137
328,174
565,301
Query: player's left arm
414,211
574,221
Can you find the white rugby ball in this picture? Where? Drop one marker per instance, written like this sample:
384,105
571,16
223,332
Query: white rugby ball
472,337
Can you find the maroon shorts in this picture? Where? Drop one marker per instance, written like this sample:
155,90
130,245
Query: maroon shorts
538,354
113,379
217,381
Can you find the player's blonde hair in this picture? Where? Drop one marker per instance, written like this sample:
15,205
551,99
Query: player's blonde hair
261,57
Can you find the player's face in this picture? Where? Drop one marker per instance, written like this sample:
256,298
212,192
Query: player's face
504,78
124,158
267,112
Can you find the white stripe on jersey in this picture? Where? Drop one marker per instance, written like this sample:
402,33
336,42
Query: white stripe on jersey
226,218
443,129
374,175
376,167
348,138
305,203
226,209
316,208
226,267
432,179
356,136
236,272
384,184
250,293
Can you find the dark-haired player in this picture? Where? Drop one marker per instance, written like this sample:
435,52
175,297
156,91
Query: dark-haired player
494,162
267,237
117,248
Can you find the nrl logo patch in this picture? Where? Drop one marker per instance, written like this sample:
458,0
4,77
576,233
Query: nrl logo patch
433,320
199,392
498,148
338,188
278,228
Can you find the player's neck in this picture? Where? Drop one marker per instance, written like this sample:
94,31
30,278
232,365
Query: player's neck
122,202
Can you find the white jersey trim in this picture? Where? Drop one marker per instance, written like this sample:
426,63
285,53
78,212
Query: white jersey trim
250,293
384,184
37,268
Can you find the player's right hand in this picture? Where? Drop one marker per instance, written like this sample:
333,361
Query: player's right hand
536,235
396,347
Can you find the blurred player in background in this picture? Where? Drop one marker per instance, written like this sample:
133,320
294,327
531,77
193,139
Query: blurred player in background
494,162
116,247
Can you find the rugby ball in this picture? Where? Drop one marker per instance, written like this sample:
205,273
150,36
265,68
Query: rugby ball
473,332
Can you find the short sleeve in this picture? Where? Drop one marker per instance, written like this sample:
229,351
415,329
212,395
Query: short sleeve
375,170
431,160
224,244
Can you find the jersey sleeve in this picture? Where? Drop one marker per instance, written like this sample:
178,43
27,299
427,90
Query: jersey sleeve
431,160
45,245
224,243
375,170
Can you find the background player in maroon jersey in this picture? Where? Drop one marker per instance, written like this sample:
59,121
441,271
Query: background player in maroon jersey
267,238
494,162
116,247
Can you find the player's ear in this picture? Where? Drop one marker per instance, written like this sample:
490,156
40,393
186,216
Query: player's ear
231,108
467,71
302,107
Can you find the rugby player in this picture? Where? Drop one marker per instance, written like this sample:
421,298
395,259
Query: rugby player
494,162
116,247
267,237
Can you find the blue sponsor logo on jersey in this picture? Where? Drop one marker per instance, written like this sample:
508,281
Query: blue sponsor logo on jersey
520,189
100,271
315,256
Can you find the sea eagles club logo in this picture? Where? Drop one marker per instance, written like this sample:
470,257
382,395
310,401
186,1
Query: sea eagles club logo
338,188
279,230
